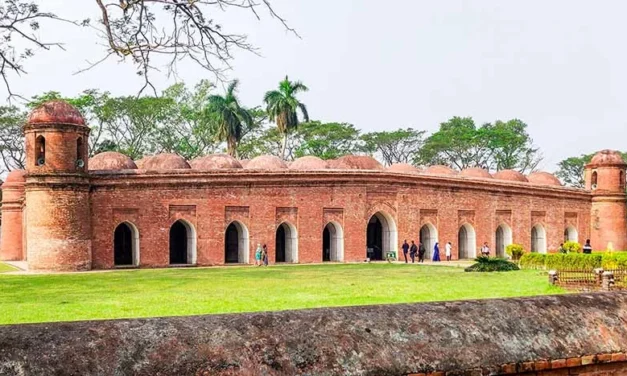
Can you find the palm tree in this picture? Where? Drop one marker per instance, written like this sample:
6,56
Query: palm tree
229,117
282,106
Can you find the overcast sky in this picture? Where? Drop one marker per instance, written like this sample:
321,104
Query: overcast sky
560,66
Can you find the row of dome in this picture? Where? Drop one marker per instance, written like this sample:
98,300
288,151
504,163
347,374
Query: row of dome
166,161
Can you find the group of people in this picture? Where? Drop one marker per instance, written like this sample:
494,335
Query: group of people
261,255
421,251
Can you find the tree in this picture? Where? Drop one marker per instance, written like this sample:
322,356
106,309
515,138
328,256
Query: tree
326,140
399,146
510,146
11,138
144,31
457,144
571,170
282,106
188,132
230,117
502,145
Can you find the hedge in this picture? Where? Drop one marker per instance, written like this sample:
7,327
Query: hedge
564,261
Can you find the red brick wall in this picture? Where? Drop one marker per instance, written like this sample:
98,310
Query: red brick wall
261,201
11,248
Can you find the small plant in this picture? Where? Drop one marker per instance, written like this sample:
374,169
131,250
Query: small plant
533,261
487,264
515,251
572,247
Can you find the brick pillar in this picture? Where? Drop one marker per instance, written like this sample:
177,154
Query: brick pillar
598,273
553,277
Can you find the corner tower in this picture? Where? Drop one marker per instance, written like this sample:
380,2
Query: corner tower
58,222
605,177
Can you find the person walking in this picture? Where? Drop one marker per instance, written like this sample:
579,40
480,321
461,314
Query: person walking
561,249
421,252
485,250
258,253
412,252
405,248
264,255
436,252
587,248
448,251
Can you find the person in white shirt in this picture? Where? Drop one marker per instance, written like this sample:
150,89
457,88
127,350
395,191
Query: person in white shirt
449,248
485,250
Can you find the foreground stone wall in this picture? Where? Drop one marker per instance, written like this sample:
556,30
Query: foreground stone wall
558,335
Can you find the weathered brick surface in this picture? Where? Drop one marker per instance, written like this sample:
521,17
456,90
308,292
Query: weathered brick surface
449,338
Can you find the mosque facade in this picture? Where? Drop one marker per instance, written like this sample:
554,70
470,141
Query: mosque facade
68,212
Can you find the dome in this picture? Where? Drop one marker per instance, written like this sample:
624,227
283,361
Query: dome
309,163
16,176
543,178
475,172
244,162
110,160
440,170
140,162
403,168
55,112
355,162
607,157
511,175
165,161
215,162
266,162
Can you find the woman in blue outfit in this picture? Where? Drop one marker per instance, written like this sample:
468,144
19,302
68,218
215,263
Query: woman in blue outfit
436,253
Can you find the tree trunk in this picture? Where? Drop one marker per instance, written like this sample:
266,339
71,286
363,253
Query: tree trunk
230,146
284,146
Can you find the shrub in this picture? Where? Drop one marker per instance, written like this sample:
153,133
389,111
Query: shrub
487,264
572,247
533,261
515,251
614,260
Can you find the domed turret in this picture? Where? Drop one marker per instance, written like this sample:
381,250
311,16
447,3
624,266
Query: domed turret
543,178
266,162
511,175
110,160
215,162
475,172
165,161
355,162
309,163
440,170
403,168
56,141
605,177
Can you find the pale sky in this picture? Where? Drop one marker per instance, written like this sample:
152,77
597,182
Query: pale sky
559,65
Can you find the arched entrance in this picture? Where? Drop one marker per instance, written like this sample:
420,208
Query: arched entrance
126,245
182,243
332,242
428,238
380,236
286,245
467,242
236,244
503,239
538,239
570,234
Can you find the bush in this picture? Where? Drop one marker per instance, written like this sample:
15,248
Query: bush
515,251
533,261
487,264
614,260
572,247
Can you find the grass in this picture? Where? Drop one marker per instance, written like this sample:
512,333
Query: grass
175,292
6,268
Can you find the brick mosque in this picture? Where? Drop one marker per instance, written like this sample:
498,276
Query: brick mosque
66,212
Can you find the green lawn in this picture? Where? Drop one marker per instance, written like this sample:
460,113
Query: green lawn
6,268
173,292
